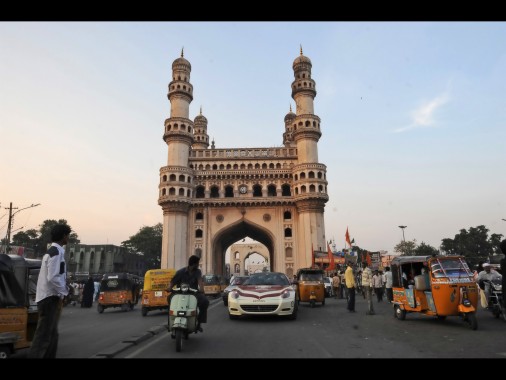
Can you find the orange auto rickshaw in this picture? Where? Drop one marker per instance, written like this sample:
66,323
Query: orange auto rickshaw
438,286
119,290
310,286
18,310
212,285
154,294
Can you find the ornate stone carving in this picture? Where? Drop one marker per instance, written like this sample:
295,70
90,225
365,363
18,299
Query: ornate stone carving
220,218
267,217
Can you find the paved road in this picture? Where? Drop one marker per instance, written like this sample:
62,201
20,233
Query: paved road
322,332
333,332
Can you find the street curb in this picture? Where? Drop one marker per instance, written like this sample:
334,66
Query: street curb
157,329
136,339
114,350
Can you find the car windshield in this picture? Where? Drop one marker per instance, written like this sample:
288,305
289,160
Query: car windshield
267,279
238,280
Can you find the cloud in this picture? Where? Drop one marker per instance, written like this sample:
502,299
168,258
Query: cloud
423,115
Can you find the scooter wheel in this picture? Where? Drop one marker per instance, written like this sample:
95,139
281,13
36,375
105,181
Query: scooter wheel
179,340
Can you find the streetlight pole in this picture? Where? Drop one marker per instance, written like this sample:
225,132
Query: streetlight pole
403,227
9,225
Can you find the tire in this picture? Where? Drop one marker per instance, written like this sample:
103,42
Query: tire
441,317
125,307
225,302
233,317
100,308
5,352
323,302
144,311
293,316
472,321
312,303
131,305
179,340
400,314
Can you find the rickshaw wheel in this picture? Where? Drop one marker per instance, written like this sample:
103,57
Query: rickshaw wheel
471,319
144,311
441,317
312,303
399,313
323,302
4,352
100,308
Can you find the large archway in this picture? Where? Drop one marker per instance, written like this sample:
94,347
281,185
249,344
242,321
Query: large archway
234,232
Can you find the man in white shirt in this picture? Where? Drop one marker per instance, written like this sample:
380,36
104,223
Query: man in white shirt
388,284
51,289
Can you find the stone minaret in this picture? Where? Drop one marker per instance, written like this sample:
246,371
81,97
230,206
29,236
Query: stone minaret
176,179
312,196
287,136
201,136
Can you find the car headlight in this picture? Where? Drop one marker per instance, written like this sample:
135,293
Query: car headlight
285,294
234,294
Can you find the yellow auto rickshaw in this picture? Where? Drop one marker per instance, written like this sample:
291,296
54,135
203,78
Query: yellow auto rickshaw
438,286
18,310
212,285
310,286
154,293
119,290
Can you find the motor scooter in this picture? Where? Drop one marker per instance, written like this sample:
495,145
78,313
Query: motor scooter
496,300
183,314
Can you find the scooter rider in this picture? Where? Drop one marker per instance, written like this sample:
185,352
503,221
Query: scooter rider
192,276
488,274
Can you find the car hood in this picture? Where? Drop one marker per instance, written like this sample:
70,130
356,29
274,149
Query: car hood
262,291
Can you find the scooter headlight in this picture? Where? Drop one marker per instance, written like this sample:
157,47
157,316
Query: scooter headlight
185,288
466,302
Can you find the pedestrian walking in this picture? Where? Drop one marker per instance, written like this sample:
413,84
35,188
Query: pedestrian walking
367,288
388,284
51,289
350,286
336,285
377,284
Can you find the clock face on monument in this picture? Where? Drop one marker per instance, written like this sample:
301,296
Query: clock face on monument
243,189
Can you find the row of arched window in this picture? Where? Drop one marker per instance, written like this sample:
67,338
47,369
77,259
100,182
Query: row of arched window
312,189
214,191
173,177
311,174
305,84
177,127
307,124
173,87
172,191
238,167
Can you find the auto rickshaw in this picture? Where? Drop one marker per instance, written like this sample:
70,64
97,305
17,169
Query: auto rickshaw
119,290
18,310
154,294
212,285
310,286
438,286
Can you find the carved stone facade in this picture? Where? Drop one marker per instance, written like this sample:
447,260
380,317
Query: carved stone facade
212,198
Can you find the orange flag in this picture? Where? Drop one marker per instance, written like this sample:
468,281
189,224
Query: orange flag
347,236
332,264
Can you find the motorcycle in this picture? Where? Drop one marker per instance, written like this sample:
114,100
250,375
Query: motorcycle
183,314
496,301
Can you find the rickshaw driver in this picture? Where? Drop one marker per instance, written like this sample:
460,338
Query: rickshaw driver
192,276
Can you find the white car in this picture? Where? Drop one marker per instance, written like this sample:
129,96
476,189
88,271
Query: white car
266,293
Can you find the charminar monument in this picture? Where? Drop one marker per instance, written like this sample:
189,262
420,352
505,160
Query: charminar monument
212,198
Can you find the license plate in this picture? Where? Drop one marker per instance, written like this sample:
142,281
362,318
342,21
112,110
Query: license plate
158,294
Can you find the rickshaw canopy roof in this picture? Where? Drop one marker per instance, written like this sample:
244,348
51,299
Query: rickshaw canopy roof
410,259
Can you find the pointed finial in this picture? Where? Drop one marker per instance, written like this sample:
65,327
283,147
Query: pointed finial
201,110
290,107
300,49
182,52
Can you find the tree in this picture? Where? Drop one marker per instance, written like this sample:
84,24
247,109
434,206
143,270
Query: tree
425,250
148,242
474,244
45,234
26,238
406,247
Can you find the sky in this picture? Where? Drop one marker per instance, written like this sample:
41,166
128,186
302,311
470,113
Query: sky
413,119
